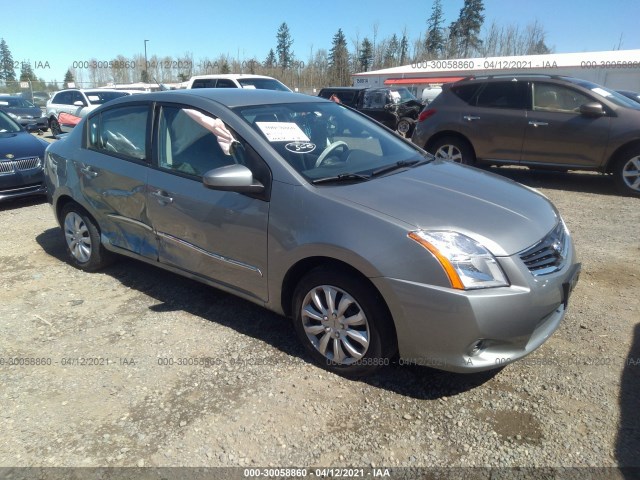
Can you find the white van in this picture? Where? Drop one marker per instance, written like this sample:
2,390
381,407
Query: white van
232,80
429,94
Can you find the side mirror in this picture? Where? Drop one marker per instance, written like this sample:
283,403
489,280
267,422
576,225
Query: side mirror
592,109
78,103
235,178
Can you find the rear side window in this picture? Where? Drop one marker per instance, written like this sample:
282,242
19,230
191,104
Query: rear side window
226,83
204,83
465,92
121,131
508,94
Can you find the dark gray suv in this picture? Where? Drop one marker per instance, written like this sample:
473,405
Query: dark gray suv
542,121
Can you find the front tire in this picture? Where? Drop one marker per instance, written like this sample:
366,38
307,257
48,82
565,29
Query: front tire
453,149
626,172
405,127
343,322
54,126
82,238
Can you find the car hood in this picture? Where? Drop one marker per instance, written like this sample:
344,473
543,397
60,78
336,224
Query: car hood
33,112
20,145
502,215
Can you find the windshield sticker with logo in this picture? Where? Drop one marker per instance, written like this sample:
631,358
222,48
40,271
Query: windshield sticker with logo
93,98
600,91
282,132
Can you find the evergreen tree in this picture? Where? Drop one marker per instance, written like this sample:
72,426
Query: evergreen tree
404,50
271,60
463,33
339,60
68,78
7,73
391,53
365,57
434,40
283,47
26,73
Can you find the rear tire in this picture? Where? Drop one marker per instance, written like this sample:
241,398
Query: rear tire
82,239
55,127
453,149
405,127
343,323
626,172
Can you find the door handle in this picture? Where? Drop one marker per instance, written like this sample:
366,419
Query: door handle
163,198
89,172
470,118
538,124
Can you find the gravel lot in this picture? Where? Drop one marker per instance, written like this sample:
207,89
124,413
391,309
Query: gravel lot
103,391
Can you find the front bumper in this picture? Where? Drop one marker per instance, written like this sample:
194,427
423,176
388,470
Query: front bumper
22,183
439,327
41,122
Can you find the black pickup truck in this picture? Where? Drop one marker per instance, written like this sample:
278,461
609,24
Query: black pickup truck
395,108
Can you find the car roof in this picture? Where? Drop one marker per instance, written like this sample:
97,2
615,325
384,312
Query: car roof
229,97
230,76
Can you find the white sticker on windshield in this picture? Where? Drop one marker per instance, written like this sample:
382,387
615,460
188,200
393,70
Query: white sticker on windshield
282,132
249,87
600,91
93,98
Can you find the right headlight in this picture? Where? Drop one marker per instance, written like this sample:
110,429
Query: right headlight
467,263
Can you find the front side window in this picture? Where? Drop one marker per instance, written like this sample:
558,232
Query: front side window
121,131
225,83
550,97
63,98
507,94
187,143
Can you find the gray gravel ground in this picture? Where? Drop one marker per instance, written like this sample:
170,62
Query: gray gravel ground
116,394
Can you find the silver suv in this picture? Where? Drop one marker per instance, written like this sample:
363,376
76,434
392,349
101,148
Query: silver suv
540,121
67,107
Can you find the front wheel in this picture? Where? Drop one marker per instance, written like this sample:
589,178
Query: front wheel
453,149
405,127
55,127
343,323
82,238
627,172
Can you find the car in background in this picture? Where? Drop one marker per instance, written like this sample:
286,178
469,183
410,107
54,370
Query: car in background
21,160
24,112
232,80
395,107
539,121
635,96
67,107
367,242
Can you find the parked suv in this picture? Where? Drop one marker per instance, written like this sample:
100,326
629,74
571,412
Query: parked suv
395,108
540,121
232,80
67,107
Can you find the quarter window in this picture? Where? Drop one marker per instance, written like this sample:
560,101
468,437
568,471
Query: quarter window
120,131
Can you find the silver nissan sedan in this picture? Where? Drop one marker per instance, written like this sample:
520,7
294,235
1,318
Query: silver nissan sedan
314,211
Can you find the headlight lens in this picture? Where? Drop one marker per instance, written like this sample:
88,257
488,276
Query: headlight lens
467,263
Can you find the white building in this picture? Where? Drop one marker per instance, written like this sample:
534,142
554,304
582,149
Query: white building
618,69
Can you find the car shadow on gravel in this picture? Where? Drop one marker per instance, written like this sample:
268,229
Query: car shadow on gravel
22,202
172,292
586,182
628,438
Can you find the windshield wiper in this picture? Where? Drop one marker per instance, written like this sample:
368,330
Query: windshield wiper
342,177
398,165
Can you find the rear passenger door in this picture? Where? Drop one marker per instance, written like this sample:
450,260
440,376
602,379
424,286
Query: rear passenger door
114,176
496,120
217,235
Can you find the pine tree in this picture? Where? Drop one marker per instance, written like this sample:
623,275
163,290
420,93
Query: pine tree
68,78
339,60
271,60
365,56
404,50
434,40
283,47
7,73
26,73
463,33
391,53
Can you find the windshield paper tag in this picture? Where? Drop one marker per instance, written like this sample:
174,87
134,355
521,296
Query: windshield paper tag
282,132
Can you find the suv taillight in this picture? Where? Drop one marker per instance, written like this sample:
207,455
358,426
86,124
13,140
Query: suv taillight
426,114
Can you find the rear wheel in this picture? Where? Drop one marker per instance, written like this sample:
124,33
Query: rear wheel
405,127
82,238
342,322
626,172
453,149
55,127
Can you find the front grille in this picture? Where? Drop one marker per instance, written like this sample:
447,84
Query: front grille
10,166
549,254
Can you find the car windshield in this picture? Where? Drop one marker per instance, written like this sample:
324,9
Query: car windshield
7,125
403,94
322,140
262,83
609,94
16,102
98,97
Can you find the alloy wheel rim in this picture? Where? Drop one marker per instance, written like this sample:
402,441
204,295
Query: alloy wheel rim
450,153
77,235
335,324
631,173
